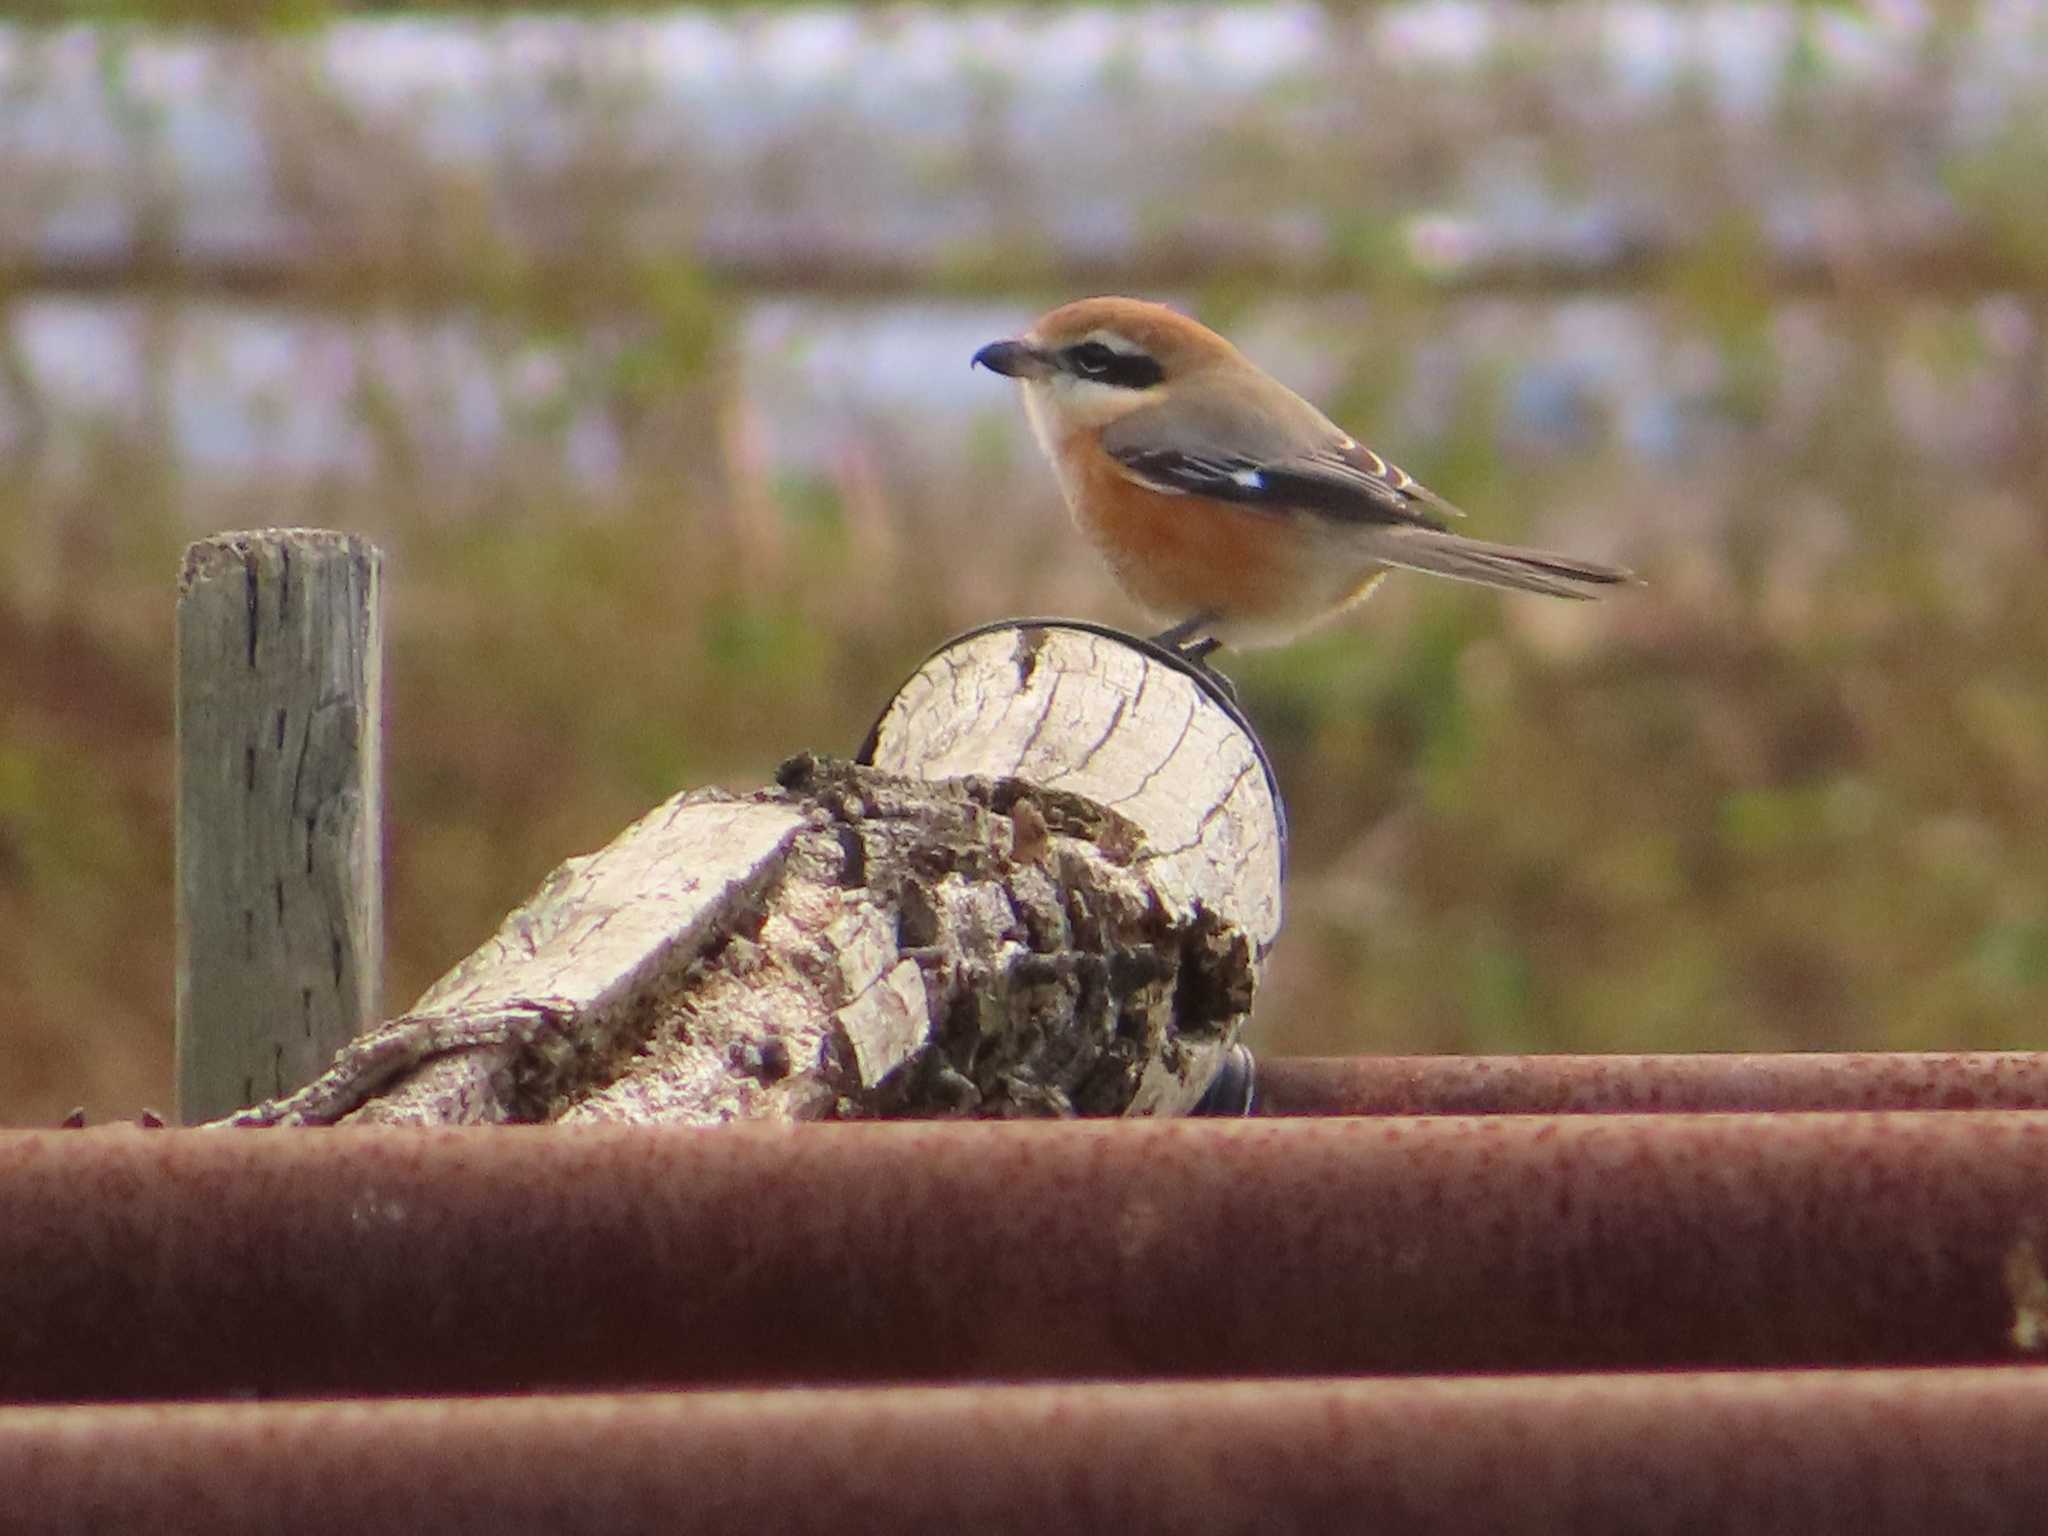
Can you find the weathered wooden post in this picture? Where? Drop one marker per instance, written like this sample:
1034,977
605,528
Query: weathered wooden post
280,823
1048,887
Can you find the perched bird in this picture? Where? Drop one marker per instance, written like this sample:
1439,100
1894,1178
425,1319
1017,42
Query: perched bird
1225,503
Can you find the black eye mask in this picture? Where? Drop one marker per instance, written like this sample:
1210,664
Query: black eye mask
1106,365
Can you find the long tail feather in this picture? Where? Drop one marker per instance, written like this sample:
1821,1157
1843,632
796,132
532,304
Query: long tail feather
1497,565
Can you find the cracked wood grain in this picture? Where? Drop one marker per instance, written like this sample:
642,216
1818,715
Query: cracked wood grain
1078,711
279,820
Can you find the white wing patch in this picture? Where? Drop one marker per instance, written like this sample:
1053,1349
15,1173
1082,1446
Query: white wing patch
1250,479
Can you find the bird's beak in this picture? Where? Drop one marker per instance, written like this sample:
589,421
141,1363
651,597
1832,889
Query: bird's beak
1016,359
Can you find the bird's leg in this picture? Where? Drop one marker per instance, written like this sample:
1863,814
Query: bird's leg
1178,637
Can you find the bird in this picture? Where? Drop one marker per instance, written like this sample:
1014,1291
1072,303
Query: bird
1224,503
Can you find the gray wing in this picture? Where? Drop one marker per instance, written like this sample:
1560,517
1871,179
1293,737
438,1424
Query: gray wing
1346,481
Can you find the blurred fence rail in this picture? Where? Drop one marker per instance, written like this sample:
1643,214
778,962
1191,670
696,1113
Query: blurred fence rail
1548,144
263,397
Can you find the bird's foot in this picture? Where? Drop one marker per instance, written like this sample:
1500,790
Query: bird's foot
1181,636
1182,640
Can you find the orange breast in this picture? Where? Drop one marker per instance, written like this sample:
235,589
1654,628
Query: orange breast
1183,555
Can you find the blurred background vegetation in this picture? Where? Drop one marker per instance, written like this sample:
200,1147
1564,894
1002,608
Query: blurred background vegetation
639,338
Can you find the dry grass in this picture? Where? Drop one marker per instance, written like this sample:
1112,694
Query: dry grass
1785,797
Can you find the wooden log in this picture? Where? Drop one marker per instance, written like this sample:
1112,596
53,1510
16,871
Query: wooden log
1079,708
1049,890
280,882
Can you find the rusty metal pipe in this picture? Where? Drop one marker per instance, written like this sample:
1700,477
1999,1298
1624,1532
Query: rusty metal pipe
189,1263
1863,1453
1571,1085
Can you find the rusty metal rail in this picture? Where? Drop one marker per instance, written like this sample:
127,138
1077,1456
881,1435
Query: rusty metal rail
1865,1453
1570,1085
218,1263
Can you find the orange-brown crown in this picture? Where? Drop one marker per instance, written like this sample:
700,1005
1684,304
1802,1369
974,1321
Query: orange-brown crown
1170,338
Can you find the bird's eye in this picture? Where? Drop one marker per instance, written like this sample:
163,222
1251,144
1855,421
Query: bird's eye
1092,359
